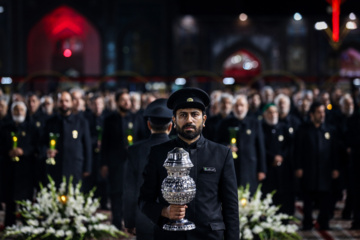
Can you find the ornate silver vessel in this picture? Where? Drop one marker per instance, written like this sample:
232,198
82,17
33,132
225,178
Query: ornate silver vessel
178,187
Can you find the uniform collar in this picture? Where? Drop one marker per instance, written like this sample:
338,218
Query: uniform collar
158,136
194,145
69,118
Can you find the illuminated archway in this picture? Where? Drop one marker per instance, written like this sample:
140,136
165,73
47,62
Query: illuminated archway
242,63
64,41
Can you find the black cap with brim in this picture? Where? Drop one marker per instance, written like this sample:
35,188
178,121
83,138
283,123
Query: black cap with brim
188,98
158,112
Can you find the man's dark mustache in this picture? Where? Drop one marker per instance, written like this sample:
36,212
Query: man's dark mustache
189,126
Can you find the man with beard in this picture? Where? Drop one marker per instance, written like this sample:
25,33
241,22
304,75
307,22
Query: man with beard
346,178
72,153
121,129
249,148
292,123
95,118
280,172
212,123
18,150
158,117
316,165
214,210
353,141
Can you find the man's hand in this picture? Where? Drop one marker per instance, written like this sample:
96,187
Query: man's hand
131,231
16,152
299,173
233,148
335,174
104,171
278,159
261,176
51,153
86,174
174,212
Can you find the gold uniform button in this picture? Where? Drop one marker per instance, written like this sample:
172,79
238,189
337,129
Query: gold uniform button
291,130
327,135
75,134
281,138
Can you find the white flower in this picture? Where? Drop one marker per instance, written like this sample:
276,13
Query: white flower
61,218
257,215
248,234
257,229
60,233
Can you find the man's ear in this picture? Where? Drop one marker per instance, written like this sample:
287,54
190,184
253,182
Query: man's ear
173,121
170,127
148,125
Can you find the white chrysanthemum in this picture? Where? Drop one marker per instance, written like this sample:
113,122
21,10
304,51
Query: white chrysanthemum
257,229
60,233
33,222
248,234
38,230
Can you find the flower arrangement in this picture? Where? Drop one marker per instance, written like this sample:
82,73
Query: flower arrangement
64,213
260,219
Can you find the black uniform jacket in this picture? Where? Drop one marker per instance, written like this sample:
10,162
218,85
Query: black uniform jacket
134,167
251,148
73,146
19,177
316,154
214,210
278,142
114,145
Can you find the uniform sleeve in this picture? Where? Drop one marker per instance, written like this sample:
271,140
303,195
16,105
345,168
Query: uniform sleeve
222,134
260,149
87,148
130,186
106,137
149,191
229,197
298,164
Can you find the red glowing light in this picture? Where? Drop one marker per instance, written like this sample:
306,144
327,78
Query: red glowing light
335,19
67,53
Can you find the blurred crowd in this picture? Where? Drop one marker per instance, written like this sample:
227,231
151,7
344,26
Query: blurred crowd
303,144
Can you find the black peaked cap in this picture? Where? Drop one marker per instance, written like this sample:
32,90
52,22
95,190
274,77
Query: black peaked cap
188,98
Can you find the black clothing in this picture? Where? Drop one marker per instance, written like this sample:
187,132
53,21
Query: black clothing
96,126
353,140
114,154
214,210
251,149
134,167
316,155
279,178
212,125
73,146
19,175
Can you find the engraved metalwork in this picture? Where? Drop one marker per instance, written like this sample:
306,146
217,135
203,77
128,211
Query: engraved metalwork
178,187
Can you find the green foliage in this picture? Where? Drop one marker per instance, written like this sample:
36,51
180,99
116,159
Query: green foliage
63,213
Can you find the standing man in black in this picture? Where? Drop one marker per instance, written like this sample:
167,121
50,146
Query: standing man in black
96,117
280,167
226,105
158,117
249,148
214,210
121,129
353,142
18,150
72,152
316,165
